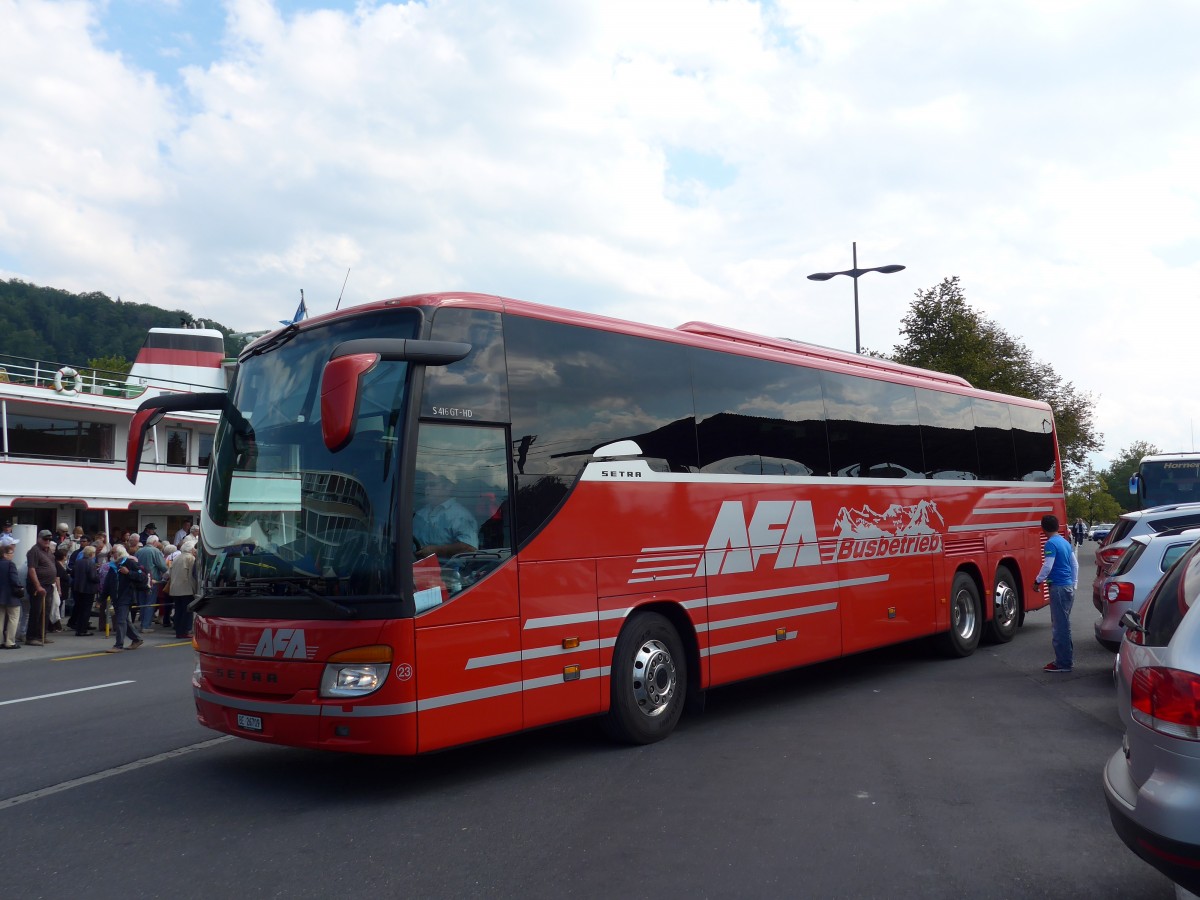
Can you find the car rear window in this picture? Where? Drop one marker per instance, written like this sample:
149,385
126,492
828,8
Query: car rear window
1192,518
1131,555
1174,595
1122,528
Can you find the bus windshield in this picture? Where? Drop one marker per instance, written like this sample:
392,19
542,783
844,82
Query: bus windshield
1168,481
290,527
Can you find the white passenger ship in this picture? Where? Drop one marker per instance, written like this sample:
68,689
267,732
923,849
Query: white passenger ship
63,432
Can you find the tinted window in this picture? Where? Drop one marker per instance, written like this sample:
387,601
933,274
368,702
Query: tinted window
873,430
1131,555
1033,438
59,438
1179,521
474,389
1173,553
573,390
993,436
1118,532
947,435
757,417
1172,598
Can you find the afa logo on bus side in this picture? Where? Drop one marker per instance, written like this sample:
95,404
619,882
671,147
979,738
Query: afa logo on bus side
786,531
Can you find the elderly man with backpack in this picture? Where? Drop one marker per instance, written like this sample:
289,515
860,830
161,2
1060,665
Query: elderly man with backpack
123,581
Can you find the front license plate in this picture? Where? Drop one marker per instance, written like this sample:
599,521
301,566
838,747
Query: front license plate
250,723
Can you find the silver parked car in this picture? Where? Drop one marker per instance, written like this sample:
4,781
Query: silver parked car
1140,567
1146,521
1152,783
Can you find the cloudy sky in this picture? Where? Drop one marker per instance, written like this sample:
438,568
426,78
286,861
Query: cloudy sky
660,160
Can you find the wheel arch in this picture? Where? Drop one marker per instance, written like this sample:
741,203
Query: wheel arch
1011,563
686,629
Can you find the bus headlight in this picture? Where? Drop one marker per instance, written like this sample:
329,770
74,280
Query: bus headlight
357,672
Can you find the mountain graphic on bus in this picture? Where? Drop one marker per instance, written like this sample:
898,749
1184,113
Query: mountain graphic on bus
897,521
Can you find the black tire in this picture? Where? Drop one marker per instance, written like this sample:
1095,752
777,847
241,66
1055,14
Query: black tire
648,680
966,618
1006,607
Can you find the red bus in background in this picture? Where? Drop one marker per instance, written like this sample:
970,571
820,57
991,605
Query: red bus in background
650,512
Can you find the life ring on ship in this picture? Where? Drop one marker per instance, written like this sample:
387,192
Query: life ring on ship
64,374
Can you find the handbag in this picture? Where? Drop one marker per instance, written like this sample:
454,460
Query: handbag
19,592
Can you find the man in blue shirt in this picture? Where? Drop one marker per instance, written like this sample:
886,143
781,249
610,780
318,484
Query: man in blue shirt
1060,570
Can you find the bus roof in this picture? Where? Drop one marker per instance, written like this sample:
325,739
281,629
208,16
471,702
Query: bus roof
1184,456
693,333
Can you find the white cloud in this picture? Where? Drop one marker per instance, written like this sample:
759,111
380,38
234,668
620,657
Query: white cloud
1042,152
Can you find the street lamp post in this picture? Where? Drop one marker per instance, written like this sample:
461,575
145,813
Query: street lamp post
854,273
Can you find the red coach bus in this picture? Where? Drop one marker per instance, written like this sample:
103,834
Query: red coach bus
628,516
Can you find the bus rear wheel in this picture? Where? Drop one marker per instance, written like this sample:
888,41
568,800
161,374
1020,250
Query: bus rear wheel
966,618
648,680
1006,607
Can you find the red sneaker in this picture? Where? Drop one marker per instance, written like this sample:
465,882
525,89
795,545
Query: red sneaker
1055,667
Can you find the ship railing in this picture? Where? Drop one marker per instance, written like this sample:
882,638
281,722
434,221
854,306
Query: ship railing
97,462
97,382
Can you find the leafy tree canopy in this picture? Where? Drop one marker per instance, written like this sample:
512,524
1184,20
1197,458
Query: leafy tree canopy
1089,499
1121,469
57,326
942,332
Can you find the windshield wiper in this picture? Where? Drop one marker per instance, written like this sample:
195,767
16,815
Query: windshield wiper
281,338
260,589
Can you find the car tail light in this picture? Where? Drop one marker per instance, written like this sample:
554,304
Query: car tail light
1167,701
1119,592
1107,557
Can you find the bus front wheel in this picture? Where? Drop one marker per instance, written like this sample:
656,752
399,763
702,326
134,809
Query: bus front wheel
648,680
966,617
1006,608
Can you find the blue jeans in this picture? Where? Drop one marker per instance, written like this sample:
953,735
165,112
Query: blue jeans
1062,597
145,601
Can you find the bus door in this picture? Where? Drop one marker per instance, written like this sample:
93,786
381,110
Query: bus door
468,632
560,640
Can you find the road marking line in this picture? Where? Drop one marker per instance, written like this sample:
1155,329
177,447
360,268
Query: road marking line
105,652
94,687
109,773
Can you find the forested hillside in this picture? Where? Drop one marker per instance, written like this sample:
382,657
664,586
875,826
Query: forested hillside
55,325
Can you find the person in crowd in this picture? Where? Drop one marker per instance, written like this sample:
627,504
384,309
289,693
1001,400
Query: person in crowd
57,606
1079,530
443,526
7,538
181,587
184,530
122,585
62,537
155,565
104,614
1060,570
165,603
85,582
11,592
144,537
41,576
100,542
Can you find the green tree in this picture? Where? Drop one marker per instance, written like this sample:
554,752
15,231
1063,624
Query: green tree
1090,500
944,333
1121,469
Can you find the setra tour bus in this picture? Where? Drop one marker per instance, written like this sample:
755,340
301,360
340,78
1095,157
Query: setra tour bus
443,518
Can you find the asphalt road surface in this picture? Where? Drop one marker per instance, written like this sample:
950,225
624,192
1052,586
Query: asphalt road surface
893,774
